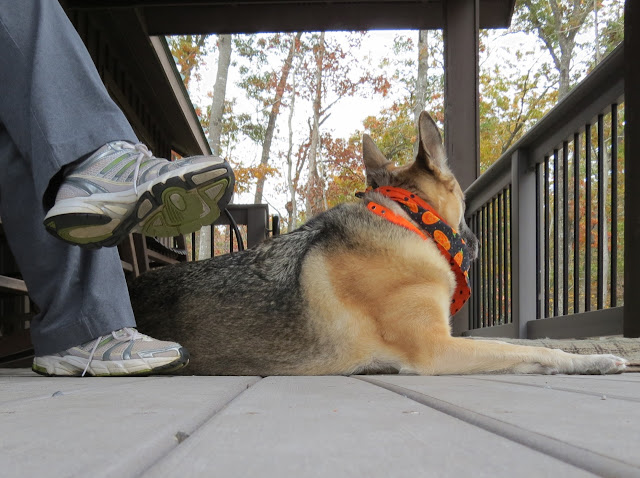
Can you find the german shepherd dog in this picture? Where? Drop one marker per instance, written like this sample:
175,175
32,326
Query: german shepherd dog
348,292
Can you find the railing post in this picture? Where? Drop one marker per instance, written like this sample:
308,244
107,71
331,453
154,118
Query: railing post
461,123
632,171
523,241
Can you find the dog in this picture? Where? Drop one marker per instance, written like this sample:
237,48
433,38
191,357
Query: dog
361,288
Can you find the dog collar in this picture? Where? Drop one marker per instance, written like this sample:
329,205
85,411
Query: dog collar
450,243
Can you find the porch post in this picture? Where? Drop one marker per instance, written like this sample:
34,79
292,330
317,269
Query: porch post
631,318
523,233
461,117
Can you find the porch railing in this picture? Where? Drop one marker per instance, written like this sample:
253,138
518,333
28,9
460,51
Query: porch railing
548,216
255,218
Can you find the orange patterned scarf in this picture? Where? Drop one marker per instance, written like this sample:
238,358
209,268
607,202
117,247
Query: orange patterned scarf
449,242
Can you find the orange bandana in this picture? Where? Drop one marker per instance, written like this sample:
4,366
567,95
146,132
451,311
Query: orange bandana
450,243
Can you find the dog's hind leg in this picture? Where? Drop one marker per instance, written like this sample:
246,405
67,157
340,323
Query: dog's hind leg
455,355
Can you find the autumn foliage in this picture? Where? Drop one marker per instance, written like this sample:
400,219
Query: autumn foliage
274,131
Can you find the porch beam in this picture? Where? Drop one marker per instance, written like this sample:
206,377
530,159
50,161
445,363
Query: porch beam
631,318
461,122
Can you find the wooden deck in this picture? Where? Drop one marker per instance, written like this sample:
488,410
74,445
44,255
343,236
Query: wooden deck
361,426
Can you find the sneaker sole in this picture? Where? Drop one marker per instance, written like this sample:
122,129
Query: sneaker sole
167,207
72,366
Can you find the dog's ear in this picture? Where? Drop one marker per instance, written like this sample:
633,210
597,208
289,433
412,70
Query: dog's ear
431,154
374,163
372,156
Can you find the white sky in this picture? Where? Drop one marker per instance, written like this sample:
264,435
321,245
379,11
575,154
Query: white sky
348,114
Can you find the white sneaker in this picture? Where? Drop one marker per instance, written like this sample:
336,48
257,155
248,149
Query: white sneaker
123,188
122,352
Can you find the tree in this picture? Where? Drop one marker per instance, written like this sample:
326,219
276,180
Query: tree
188,52
417,76
329,76
420,97
393,131
512,99
556,22
215,120
219,93
608,26
315,186
345,170
293,173
265,85
275,110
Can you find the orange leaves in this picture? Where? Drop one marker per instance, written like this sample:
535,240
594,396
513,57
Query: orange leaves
189,52
246,176
344,169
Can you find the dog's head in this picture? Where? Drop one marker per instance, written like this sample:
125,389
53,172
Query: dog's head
429,177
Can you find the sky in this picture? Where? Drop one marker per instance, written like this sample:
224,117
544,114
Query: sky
348,114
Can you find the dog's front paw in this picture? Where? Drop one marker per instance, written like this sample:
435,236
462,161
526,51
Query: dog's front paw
599,364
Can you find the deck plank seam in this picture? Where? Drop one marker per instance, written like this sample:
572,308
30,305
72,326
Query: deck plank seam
556,388
189,433
579,457
633,377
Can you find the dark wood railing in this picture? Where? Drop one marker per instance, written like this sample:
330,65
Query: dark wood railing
255,218
546,215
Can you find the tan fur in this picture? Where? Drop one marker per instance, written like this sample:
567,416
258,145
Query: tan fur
388,302
348,292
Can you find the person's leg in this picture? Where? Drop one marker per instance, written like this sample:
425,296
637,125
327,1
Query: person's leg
53,103
54,111
57,111
85,321
81,294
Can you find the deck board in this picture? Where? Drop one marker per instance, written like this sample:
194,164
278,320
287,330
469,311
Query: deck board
375,426
105,427
343,427
606,386
605,426
26,388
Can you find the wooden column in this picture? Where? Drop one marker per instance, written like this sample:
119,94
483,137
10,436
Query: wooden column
632,170
461,103
461,111
523,255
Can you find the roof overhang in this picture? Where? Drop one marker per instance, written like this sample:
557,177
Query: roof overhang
147,61
172,17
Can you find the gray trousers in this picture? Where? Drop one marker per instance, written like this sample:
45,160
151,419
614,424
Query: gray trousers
54,110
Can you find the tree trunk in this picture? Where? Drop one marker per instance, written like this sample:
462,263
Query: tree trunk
560,39
597,33
315,187
291,182
219,93
563,65
215,122
273,115
421,80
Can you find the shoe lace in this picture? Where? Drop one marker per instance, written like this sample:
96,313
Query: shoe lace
143,152
123,335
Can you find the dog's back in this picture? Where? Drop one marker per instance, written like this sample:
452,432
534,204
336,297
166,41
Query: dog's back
362,286
251,312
